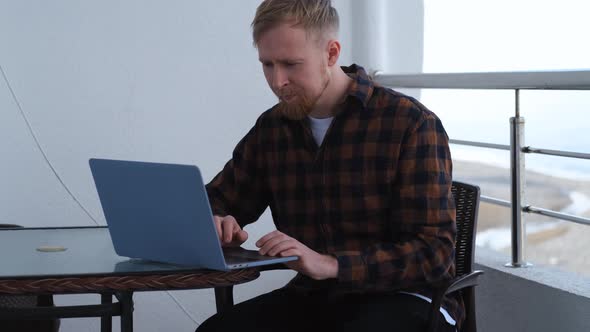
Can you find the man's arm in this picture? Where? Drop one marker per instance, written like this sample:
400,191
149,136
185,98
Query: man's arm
423,218
238,190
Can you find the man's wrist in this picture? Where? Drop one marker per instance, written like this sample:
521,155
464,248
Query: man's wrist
331,266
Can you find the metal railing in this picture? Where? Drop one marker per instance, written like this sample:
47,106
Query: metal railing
517,81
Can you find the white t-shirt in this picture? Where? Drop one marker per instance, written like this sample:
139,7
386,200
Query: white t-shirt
319,127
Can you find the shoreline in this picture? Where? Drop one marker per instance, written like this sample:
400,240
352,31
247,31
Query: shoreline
545,191
549,241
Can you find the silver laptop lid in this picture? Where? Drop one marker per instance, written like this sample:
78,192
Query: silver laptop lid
158,211
161,212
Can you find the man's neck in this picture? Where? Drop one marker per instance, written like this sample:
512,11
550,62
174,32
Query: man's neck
333,96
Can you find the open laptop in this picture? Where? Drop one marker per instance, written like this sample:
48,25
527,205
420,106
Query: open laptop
161,212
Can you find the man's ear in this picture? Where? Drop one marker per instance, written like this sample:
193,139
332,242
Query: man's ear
333,52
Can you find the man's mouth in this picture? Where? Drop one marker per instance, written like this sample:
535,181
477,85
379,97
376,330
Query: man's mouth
287,98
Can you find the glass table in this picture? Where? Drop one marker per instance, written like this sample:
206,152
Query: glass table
70,260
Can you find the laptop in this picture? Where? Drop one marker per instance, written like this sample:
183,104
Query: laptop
161,212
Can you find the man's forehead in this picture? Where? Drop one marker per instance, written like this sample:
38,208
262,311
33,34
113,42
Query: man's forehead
286,32
281,55
283,42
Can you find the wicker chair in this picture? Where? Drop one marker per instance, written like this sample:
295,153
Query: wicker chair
23,303
467,204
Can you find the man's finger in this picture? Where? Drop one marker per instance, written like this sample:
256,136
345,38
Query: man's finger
228,230
290,252
217,222
272,242
267,237
241,236
280,247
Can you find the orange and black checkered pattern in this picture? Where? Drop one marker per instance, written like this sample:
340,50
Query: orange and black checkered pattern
376,194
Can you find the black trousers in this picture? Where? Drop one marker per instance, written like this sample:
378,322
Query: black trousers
288,310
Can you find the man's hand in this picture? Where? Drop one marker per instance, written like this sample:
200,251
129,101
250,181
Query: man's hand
310,263
229,232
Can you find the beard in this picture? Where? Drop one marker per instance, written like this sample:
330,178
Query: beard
298,108
300,105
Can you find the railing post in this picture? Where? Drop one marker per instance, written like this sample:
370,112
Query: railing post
517,192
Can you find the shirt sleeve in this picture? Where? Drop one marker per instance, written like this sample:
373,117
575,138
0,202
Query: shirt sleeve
239,190
422,218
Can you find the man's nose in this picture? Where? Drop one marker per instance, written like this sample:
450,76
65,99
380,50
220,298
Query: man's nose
279,78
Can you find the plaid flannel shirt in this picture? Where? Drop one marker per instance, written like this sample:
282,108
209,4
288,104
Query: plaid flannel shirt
376,194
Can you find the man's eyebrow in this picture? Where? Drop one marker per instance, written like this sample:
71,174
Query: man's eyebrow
282,60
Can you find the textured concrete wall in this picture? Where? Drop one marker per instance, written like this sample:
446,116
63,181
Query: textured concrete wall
533,299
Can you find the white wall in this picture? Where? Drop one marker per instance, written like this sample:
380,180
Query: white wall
169,81
388,35
174,82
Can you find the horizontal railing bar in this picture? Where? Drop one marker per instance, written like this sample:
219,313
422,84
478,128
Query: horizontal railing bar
559,153
529,80
542,80
496,201
538,210
480,144
558,215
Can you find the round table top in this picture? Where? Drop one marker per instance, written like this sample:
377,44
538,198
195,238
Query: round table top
89,264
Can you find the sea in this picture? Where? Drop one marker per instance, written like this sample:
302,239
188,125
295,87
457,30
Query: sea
556,120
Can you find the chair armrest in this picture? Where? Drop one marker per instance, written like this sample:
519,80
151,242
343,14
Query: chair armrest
10,226
467,280
448,287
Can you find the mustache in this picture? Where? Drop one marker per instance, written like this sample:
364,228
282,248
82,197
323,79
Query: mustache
287,92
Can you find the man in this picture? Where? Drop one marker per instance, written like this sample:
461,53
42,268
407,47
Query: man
358,181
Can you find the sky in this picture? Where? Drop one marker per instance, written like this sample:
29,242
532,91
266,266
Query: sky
511,35
506,35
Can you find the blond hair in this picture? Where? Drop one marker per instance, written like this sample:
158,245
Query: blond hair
315,16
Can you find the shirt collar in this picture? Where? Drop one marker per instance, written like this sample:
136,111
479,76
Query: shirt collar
362,86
